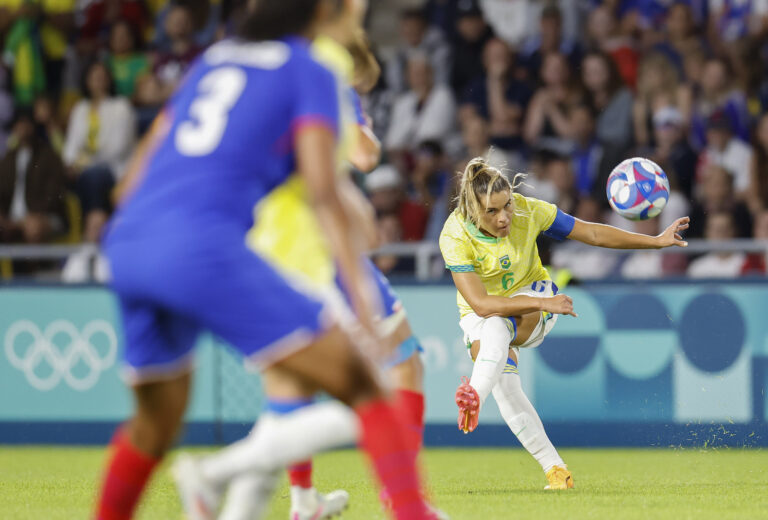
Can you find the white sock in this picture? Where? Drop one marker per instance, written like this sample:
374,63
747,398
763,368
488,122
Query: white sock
248,496
495,338
279,440
522,419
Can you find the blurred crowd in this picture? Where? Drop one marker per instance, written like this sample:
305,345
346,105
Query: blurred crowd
563,90
566,90
80,82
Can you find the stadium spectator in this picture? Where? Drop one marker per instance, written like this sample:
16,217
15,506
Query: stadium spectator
476,143
757,263
418,37
720,226
22,51
731,21
205,16
587,152
658,85
173,60
499,97
549,39
48,122
604,35
610,98
6,108
31,185
644,264
430,185
388,196
718,96
56,28
427,111
716,196
680,36
100,137
149,98
390,232
443,14
757,193
672,151
126,63
726,150
100,15
546,121
471,35
651,263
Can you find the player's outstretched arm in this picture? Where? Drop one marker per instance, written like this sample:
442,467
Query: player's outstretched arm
486,305
602,235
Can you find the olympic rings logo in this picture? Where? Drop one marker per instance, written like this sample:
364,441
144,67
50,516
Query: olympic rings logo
27,348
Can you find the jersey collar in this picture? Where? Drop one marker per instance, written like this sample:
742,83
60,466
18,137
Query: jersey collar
476,233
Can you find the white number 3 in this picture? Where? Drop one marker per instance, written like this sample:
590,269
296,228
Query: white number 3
218,91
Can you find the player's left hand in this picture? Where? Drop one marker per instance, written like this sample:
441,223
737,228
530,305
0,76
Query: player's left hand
671,236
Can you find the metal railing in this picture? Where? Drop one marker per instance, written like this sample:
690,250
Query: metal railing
425,254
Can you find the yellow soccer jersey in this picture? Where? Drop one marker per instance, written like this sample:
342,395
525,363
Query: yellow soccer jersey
286,231
505,265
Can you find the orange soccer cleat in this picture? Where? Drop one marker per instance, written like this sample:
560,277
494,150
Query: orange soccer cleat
469,406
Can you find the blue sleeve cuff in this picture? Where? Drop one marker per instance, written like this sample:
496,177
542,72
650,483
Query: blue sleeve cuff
561,227
460,268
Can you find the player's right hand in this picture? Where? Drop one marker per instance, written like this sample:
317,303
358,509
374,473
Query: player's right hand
560,304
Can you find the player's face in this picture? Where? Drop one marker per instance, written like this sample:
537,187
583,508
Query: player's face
497,214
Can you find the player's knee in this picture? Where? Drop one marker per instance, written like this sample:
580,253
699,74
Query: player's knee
495,337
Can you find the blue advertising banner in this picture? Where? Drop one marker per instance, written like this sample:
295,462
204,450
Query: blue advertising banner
658,364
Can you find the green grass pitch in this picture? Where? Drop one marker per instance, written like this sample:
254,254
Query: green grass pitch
487,484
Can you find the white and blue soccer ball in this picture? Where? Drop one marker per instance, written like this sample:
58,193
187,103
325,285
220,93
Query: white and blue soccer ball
637,189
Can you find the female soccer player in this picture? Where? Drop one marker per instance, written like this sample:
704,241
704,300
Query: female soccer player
250,112
506,298
289,203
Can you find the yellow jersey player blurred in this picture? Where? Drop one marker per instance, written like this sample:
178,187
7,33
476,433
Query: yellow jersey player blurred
506,298
343,49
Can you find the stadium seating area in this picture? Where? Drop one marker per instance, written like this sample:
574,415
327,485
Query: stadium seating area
564,90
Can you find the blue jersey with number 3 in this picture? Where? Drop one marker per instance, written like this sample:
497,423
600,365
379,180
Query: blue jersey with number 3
230,141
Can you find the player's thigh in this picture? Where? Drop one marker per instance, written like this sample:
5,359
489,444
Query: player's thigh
284,384
333,364
526,324
475,348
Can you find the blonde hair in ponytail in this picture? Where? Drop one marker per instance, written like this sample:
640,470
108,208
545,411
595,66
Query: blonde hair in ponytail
480,179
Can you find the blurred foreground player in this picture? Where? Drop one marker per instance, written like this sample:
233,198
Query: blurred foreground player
288,252
180,265
507,300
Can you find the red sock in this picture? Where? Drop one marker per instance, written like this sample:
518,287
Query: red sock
410,408
125,478
300,474
384,440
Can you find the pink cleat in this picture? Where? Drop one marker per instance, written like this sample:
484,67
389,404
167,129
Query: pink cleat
469,405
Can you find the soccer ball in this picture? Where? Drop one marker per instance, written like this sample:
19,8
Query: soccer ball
637,189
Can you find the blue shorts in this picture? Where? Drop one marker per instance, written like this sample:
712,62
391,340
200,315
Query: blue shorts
390,303
170,290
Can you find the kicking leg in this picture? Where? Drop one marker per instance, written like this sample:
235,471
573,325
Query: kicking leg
280,440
